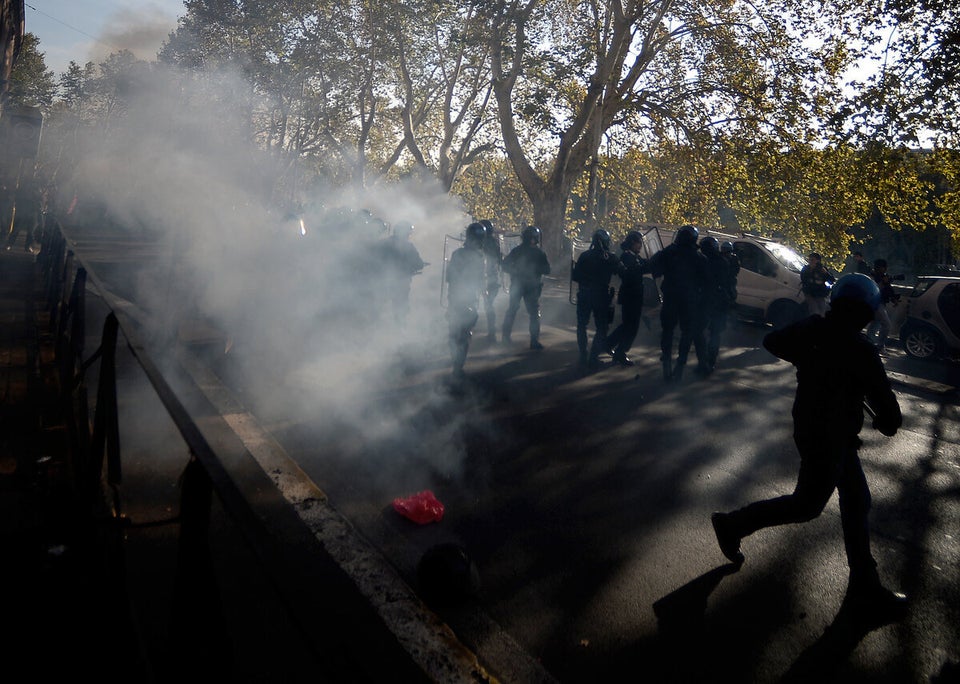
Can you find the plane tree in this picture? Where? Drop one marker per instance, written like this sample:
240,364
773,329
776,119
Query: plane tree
567,75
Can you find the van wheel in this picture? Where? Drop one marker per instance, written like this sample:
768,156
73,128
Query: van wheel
783,313
921,342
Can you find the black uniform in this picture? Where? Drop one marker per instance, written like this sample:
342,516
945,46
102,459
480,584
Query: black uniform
837,370
630,298
684,271
716,303
400,261
465,274
526,264
592,273
733,271
492,257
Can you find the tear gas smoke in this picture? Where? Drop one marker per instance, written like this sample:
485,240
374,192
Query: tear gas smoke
303,303
142,32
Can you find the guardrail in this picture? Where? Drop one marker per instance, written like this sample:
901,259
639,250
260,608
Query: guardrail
339,626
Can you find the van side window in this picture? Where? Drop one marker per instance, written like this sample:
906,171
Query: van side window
754,259
949,304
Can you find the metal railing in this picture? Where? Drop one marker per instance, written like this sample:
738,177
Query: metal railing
301,573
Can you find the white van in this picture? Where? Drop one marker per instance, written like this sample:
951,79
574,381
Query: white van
768,286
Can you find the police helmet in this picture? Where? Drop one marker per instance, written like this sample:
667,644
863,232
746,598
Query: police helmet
856,287
601,240
474,234
531,233
632,236
880,263
687,235
710,245
726,247
402,229
488,225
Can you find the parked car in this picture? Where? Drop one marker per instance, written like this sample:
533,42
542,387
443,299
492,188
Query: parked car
931,328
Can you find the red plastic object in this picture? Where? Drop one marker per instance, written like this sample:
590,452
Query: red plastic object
421,508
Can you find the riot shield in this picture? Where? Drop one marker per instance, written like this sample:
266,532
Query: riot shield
451,243
507,242
577,247
652,243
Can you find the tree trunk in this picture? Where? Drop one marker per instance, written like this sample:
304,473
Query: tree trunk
549,214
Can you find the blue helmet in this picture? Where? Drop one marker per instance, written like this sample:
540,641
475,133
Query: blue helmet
475,234
710,245
531,233
403,229
601,240
687,235
857,287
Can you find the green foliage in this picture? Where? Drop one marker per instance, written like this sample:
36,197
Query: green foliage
610,114
489,189
31,83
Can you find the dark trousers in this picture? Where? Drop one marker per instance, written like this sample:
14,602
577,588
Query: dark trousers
596,303
686,313
621,339
822,469
716,322
529,294
488,297
461,320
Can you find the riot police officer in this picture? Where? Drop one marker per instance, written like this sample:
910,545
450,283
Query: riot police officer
592,273
715,302
526,264
733,269
492,266
630,298
465,274
400,262
683,269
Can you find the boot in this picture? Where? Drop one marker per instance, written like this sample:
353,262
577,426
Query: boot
678,372
667,370
728,540
874,604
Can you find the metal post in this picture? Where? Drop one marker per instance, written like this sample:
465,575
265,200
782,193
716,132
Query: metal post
106,430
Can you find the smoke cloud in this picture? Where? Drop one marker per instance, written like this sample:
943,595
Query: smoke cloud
142,32
298,291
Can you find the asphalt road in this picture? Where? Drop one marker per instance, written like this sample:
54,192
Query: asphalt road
584,501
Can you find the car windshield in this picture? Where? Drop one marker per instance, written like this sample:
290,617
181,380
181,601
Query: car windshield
786,256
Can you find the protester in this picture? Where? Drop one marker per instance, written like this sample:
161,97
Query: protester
815,282
838,373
